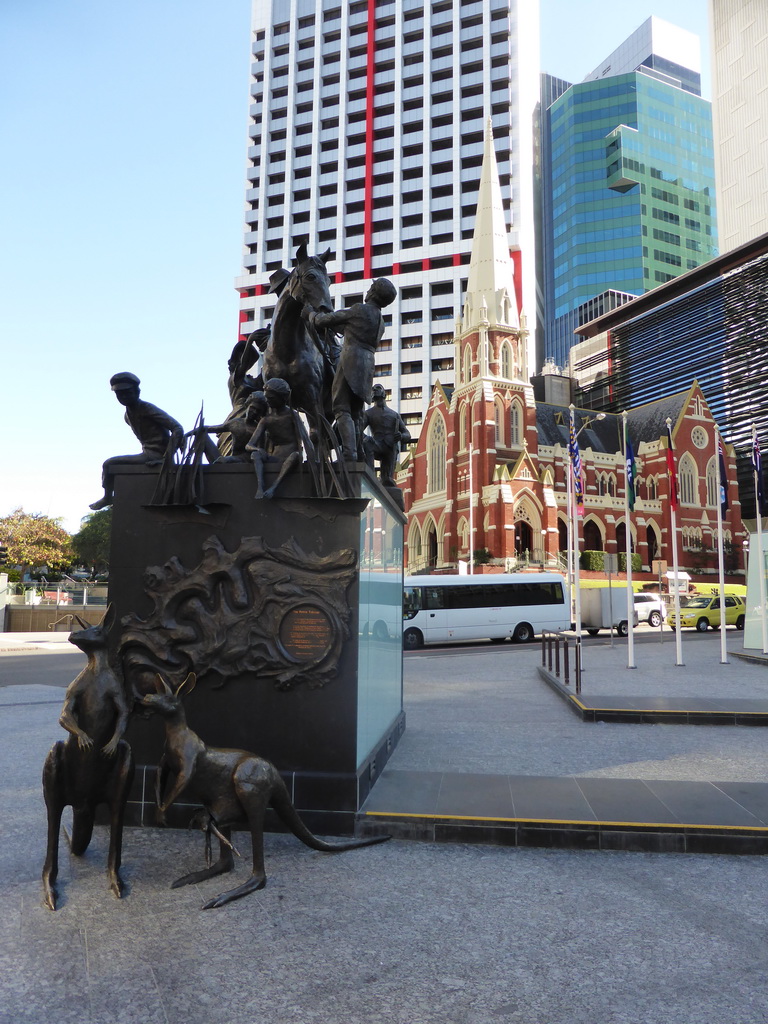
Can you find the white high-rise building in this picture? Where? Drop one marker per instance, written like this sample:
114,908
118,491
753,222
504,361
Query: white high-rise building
739,40
366,137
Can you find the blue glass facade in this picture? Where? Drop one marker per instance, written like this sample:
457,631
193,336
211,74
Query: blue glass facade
630,173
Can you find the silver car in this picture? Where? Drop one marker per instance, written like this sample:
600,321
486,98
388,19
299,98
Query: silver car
650,608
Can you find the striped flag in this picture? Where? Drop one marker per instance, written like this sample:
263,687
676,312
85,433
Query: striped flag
757,466
573,451
723,476
671,472
630,469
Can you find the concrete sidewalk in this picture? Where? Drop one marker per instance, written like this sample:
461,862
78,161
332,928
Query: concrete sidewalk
19,643
539,780
411,933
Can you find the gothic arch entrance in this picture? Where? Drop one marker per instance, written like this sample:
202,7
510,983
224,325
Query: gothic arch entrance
621,538
523,537
562,535
592,539
431,546
653,544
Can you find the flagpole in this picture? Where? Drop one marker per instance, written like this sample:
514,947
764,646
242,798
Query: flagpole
628,482
721,484
673,524
757,468
569,552
471,516
576,577
575,534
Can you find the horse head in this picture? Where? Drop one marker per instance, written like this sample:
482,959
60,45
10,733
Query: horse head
309,282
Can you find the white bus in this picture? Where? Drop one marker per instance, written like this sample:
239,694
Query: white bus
494,607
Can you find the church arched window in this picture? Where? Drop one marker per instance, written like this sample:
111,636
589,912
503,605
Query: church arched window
498,416
712,498
436,455
688,477
507,361
515,423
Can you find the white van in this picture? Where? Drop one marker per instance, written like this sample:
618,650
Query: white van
519,605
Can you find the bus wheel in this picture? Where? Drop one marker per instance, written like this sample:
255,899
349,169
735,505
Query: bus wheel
412,639
523,633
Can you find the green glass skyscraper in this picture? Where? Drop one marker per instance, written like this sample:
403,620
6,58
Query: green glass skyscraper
628,186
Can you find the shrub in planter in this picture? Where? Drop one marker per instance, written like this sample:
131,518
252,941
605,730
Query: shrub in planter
592,561
637,562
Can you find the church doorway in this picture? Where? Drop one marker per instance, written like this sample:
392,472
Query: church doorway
592,539
431,546
653,544
523,538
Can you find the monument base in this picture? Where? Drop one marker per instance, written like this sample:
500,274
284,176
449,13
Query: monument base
289,612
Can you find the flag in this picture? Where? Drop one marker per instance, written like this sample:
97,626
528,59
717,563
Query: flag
671,471
757,466
723,476
629,455
573,451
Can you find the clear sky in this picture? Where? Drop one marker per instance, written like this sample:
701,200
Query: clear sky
121,197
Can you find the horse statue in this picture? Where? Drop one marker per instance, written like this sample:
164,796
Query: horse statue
296,352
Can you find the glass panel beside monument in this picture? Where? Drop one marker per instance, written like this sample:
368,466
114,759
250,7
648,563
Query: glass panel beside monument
380,643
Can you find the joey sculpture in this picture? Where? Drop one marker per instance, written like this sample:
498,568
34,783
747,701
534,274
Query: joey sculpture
94,764
235,788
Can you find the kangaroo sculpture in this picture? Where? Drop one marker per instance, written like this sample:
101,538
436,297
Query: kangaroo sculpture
94,764
234,786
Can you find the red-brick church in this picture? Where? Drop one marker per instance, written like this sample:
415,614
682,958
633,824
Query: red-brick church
492,457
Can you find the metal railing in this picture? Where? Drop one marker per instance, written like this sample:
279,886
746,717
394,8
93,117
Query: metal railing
57,594
556,657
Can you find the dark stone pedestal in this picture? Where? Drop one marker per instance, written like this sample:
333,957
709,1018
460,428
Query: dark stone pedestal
289,612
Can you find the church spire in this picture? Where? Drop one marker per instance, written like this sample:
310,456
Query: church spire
491,272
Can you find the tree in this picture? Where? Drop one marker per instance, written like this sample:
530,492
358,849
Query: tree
91,543
35,539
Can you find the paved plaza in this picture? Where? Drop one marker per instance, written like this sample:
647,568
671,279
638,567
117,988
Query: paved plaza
408,932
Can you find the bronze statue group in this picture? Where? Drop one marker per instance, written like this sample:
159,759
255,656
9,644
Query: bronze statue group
304,369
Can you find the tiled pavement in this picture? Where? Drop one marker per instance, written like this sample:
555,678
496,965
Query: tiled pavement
412,932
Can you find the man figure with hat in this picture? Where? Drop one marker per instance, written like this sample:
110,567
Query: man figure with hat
363,328
155,429
389,435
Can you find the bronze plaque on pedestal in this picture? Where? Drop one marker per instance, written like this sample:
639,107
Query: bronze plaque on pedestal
306,633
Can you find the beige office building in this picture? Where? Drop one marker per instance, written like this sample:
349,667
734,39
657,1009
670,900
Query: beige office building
739,36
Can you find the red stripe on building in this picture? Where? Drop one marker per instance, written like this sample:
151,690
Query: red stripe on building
244,316
517,273
369,110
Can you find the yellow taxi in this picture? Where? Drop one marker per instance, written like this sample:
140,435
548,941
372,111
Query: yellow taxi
702,612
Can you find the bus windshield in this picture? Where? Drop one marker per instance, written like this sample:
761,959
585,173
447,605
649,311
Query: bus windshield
411,602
